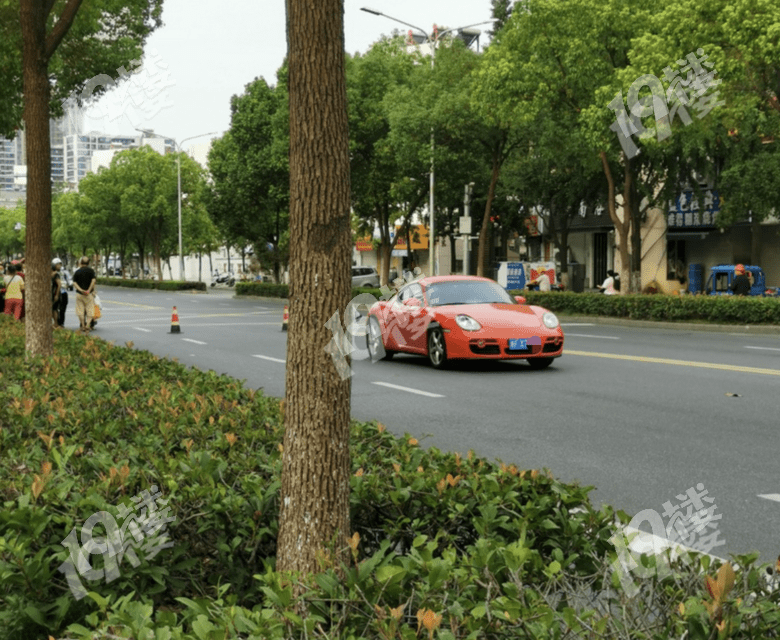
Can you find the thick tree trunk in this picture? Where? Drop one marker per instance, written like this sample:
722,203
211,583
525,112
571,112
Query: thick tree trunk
314,510
484,235
38,232
621,226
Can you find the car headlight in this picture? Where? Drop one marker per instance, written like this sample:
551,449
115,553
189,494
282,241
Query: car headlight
550,320
467,323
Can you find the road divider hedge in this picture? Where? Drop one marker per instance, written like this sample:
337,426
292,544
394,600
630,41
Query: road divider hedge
659,307
162,285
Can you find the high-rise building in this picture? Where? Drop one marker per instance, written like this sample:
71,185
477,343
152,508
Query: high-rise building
74,153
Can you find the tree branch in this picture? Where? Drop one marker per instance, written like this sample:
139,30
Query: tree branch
61,28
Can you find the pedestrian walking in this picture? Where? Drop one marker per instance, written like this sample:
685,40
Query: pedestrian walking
14,293
65,284
84,281
55,295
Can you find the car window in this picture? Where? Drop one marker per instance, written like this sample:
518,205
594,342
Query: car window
415,291
467,292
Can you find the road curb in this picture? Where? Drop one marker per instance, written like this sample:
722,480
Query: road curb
750,329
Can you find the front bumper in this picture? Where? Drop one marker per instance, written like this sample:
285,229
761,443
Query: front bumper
542,344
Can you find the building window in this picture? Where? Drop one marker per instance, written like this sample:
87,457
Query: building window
675,260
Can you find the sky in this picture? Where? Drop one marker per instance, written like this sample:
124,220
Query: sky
207,51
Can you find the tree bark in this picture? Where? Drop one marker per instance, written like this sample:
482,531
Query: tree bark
621,226
37,270
314,510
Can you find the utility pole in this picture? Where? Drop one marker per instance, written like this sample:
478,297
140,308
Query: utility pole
465,228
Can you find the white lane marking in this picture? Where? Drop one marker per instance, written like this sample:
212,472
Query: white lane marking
194,341
764,348
271,359
142,329
577,324
585,335
770,496
410,390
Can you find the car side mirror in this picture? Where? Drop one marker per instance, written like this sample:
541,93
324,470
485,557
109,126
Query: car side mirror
520,299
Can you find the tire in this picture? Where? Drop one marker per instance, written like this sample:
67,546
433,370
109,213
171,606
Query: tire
366,285
374,342
437,348
213,284
540,363
231,283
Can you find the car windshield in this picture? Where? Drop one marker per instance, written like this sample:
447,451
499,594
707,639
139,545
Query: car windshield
467,292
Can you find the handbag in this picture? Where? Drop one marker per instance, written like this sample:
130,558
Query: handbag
97,309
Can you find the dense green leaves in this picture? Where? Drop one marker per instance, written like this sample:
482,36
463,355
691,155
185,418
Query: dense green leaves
105,35
249,196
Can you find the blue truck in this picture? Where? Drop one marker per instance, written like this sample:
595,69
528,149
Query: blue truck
722,275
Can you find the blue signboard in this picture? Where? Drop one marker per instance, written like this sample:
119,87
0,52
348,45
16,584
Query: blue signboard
685,211
515,276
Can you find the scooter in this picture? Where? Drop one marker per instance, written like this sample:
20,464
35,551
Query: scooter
225,278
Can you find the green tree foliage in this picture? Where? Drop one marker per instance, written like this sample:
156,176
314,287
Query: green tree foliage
739,139
249,165
49,49
389,171
11,239
133,206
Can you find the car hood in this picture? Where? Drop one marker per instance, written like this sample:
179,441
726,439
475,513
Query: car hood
497,315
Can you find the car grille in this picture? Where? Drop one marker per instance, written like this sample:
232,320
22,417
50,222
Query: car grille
489,348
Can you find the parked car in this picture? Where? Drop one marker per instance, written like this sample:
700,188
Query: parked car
462,317
365,277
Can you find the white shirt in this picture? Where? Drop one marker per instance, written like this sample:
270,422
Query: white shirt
609,286
543,280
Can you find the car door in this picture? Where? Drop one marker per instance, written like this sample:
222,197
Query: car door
412,317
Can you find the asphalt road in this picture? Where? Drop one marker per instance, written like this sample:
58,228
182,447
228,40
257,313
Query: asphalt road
641,414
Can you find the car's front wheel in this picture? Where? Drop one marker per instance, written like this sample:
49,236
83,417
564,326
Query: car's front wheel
540,363
376,347
437,349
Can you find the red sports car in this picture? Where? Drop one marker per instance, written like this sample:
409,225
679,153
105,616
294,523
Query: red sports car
462,317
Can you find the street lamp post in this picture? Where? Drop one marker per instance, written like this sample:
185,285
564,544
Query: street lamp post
432,39
178,183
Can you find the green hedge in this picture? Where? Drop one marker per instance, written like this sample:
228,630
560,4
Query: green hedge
270,290
163,285
695,308
475,548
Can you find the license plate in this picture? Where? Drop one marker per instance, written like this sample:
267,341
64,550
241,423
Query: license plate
518,344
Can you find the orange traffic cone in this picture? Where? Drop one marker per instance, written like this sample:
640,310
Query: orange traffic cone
285,317
175,328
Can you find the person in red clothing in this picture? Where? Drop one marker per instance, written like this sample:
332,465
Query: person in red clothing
14,294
